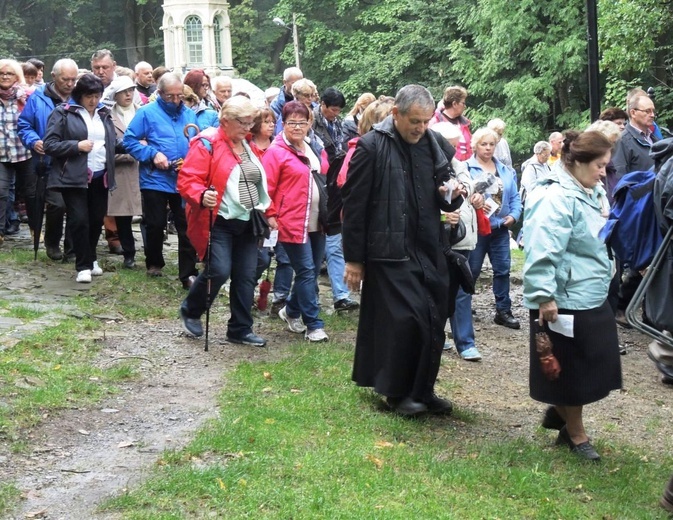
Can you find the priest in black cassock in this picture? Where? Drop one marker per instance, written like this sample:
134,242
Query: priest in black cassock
392,241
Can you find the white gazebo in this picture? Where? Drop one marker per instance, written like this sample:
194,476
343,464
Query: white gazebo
196,35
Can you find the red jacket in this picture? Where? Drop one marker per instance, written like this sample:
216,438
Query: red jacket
464,148
290,188
197,174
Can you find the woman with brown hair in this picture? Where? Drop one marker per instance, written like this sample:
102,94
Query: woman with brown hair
352,119
261,135
566,277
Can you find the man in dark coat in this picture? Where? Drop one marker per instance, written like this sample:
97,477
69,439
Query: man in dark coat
392,238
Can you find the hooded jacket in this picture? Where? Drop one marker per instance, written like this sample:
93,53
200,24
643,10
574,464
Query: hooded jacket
65,129
291,188
566,260
161,125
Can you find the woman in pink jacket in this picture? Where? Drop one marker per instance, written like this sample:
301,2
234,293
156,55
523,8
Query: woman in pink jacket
222,181
290,163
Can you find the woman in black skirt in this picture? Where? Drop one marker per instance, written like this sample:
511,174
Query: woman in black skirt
567,273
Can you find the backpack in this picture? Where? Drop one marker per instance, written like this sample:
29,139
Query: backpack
632,231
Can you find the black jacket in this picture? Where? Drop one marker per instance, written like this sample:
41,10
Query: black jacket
632,153
65,128
374,196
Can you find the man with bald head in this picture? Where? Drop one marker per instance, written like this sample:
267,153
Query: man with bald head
144,81
290,75
32,128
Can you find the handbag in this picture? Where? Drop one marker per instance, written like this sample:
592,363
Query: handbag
321,182
459,270
260,225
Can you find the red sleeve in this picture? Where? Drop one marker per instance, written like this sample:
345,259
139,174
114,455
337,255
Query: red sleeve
195,176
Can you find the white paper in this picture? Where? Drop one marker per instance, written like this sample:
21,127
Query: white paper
564,324
450,185
490,207
272,240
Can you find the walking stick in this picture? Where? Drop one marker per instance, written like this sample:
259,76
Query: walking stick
208,285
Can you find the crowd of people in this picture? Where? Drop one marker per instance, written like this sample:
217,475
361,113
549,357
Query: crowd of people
394,199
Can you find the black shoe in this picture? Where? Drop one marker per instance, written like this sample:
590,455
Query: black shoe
129,263
192,326
552,420
346,304
69,258
583,450
54,253
249,339
620,318
187,284
438,406
13,228
115,249
506,319
667,499
407,406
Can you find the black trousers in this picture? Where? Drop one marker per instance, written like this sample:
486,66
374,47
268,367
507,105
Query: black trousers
125,233
154,217
86,208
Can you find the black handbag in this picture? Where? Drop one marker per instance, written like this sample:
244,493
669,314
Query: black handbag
260,226
459,270
321,182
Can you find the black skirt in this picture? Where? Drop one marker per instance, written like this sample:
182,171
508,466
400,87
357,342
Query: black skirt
590,362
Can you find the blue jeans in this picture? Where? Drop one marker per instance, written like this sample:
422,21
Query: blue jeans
282,280
496,245
233,254
336,266
306,260
462,327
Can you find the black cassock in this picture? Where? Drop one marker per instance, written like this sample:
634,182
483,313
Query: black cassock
404,304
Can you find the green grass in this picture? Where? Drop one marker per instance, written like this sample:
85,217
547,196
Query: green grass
297,439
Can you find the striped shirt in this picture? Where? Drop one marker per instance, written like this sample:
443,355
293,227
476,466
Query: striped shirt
247,183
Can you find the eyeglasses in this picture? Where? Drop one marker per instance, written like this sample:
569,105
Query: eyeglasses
649,111
7,74
172,96
297,124
245,124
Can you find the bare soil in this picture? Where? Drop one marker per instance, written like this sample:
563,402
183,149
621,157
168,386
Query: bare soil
79,457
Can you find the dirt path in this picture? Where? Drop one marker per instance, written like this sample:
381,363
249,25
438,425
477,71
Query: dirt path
79,457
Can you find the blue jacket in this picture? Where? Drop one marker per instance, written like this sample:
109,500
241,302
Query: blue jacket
205,117
162,125
511,200
566,261
32,124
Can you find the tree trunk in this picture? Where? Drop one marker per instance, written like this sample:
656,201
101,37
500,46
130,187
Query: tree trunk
132,21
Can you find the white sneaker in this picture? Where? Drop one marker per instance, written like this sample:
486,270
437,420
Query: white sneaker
294,324
317,335
84,276
97,270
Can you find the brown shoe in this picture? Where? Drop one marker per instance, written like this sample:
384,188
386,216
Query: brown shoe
154,272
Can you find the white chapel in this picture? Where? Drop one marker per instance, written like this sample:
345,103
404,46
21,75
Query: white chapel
197,35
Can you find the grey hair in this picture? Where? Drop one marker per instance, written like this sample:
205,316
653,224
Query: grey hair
170,78
291,72
220,80
607,128
141,64
541,147
58,67
102,53
555,135
480,134
236,107
497,124
413,95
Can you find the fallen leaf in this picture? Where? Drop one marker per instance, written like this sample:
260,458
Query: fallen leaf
267,375
270,421
222,484
267,389
125,444
295,391
83,432
243,482
57,367
42,513
384,444
109,410
377,462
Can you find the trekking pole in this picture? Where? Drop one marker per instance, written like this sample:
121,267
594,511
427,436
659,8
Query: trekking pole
208,281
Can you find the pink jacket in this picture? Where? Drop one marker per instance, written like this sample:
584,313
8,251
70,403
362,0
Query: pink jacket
343,172
290,187
201,170
464,148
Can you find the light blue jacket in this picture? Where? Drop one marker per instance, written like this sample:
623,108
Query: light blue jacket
566,261
161,125
511,201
